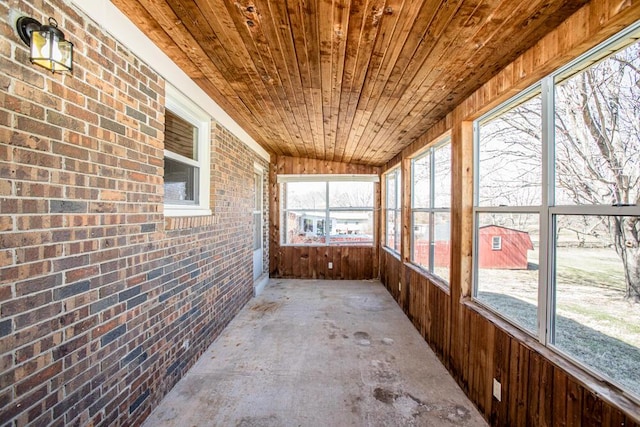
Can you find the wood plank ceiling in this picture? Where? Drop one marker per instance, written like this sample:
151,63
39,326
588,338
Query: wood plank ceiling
343,80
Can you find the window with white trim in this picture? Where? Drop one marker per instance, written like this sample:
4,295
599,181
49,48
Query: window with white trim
496,243
431,210
327,209
393,209
186,156
558,179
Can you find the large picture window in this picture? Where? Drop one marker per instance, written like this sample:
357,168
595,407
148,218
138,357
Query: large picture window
393,209
431,210
327,209
558,186
186,157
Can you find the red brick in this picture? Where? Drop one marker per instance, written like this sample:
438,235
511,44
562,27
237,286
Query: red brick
69,150
22,106
5,292
39,128
32,238
30,189
20,305
6,223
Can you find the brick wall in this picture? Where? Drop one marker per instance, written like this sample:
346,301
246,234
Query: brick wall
99,292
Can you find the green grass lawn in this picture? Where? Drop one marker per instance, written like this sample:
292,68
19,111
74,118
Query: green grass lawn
594,324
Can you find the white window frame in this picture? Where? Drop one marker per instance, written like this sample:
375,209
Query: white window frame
327,179
397,210
432,209
547,210
186,109
496,243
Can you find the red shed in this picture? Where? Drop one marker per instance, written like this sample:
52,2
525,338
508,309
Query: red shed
502,247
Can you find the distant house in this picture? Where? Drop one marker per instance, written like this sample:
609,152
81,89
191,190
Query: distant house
502,247
344,227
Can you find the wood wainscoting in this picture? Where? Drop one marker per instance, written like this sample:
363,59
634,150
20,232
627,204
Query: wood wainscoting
536,389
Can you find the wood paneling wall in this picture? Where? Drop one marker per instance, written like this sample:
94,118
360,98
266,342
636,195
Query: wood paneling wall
311,262
539,387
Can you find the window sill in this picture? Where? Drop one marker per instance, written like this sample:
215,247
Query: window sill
185,222
185,210
391,252
435,280
333,245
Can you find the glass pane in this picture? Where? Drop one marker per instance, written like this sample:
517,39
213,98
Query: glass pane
596,276
257,185
180,136
420,245
442,244
351,194
179,181
597,126
305,195
507,279
391,189
351,228
510,168
442,178
397,229
393,230
304,227
421,182
257,231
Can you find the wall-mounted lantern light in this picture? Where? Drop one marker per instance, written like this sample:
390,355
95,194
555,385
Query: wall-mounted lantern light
48,47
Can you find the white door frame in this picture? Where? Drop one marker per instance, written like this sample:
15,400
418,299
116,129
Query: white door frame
258,239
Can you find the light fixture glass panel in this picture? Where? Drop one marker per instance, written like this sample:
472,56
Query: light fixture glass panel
66,53
40,48
51,52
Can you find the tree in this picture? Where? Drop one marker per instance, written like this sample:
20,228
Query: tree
598,149
597,154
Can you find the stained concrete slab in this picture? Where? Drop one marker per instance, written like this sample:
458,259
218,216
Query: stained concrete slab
318,353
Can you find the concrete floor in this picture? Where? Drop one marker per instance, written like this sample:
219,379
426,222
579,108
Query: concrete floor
318,353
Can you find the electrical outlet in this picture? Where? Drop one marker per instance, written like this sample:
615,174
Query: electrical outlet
497,390
185,345
330,265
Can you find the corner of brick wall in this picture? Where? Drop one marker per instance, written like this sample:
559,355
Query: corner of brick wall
99,292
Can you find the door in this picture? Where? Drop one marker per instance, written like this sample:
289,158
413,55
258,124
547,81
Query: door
257,225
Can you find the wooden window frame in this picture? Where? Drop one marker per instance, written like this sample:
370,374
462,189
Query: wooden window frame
548,210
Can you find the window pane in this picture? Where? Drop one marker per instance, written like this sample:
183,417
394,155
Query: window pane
593,321
351,228
350,194
179,181
257,231
510,168
305,195
442,177
393,230
597,127
441,244
257,185
420,244
421,182
397,229
391,189
180,137
507,280
304,227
